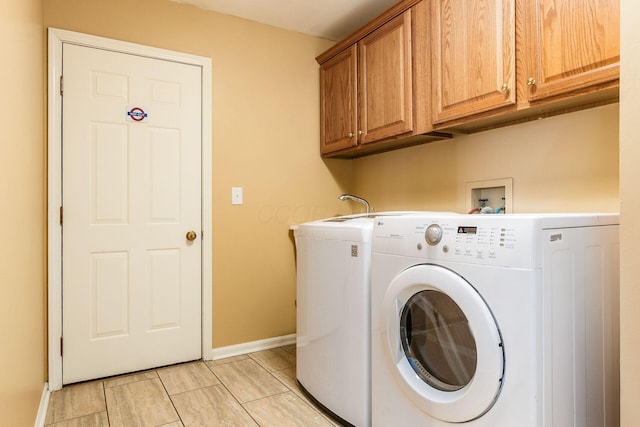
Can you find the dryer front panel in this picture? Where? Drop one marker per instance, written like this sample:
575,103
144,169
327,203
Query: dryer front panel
444,343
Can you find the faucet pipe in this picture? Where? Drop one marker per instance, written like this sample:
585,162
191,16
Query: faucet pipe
344,197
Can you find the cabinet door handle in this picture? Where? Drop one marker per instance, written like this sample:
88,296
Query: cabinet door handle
360,132
531,81
351,135
505,88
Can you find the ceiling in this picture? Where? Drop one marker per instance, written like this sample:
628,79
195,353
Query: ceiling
329,19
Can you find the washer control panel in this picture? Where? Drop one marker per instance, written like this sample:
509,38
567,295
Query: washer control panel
489,240
478,240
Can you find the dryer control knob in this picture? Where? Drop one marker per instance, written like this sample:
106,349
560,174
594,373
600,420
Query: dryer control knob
433,235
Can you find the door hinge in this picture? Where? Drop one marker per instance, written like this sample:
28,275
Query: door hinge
60,215
61,345
61,85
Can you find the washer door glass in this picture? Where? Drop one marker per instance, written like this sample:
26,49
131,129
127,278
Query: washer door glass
438,341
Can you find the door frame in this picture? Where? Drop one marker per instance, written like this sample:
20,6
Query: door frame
56,39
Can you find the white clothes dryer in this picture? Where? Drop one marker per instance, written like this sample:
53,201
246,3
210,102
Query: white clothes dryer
333,310
495,321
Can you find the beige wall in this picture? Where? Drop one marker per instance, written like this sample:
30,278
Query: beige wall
415,178
560,164
630,213
265,139
22,217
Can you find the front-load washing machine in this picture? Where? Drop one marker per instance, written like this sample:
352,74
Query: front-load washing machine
495,321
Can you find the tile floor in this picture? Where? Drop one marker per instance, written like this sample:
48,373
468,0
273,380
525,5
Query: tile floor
256,389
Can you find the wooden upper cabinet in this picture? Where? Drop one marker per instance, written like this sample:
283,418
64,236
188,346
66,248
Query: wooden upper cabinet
504,61
465,65
339,101
375,85
366,90
571,46
385,81
473,57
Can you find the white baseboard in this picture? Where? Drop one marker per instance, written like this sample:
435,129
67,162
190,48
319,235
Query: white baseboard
44,405
250,347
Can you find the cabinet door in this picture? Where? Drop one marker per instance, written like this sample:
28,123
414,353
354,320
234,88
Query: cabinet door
473,45
386,94
573,45
338,101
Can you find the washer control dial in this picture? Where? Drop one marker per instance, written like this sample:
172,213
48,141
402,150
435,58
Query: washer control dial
433,235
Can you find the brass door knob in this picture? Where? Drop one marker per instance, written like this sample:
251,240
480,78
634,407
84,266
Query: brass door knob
191,235
504,88
531,81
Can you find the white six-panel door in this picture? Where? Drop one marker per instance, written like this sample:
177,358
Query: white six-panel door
131,191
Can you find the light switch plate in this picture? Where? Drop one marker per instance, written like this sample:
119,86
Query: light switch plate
236,195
